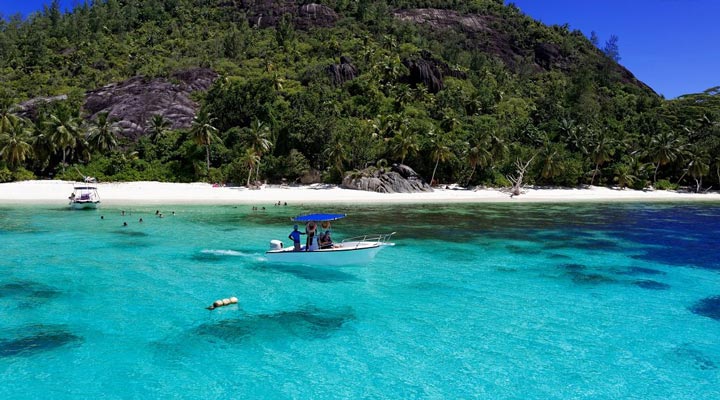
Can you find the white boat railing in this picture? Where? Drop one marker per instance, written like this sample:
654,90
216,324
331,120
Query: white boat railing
372,238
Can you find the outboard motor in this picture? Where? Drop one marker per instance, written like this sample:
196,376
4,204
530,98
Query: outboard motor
276,244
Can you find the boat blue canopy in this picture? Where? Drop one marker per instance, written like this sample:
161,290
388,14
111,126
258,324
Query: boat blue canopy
318,217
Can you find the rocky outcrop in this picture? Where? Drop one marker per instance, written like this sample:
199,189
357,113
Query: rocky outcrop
343,72
134,101
548,55
400,179
445,19
29,108
429,71
481,29
268,13
491,35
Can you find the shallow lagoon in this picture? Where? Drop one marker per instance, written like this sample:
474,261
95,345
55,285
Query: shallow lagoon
490,301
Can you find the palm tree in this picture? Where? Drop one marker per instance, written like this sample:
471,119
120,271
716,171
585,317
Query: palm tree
259,141
403,96
102,133
716,163
404,143
386,124
14,141
552,160
41,144
204,133
440,152
157,127
601,150
624,175
6,119
664,148
450,120
251,159
572,134
698,167
64,132
478,153
336,153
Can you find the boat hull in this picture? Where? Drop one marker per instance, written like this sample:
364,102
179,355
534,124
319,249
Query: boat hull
349,254
84,205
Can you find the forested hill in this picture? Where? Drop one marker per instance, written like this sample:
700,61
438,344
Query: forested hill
234,91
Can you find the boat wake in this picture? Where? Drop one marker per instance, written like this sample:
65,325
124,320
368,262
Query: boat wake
231,253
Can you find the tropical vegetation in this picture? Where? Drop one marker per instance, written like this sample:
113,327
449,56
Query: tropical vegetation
275,114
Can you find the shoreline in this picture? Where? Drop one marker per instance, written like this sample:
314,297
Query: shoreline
54,192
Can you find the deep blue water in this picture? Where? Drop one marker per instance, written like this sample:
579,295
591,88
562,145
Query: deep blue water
597,301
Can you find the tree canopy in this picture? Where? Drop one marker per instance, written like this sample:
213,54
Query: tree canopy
459,103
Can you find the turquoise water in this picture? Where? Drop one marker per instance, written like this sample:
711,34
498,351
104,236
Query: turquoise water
516,301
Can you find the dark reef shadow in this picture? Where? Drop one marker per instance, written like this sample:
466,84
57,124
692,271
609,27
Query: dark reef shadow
708,307
131,233
577,273
309,323
652,285
695,358
640,271
28,290
34,339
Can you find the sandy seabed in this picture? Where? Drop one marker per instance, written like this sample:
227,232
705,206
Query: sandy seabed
57,192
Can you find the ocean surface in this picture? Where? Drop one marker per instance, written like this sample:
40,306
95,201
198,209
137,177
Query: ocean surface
490,301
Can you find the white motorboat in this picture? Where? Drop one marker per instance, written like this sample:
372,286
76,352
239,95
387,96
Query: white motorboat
84,196
351,251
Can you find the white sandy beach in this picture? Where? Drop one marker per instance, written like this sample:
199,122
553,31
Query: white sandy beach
57,192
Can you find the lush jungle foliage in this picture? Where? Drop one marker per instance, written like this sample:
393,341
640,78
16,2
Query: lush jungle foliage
274,113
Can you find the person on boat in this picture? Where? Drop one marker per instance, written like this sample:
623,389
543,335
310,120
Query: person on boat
310,230
325,241
295,237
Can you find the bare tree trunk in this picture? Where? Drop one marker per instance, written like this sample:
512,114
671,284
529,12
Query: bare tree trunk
471,175
207,158
517,180
434,169
655,175
592,180
682,176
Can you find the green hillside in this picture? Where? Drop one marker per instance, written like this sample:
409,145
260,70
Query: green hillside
458,90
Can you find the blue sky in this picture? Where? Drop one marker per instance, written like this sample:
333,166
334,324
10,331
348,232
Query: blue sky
671,45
